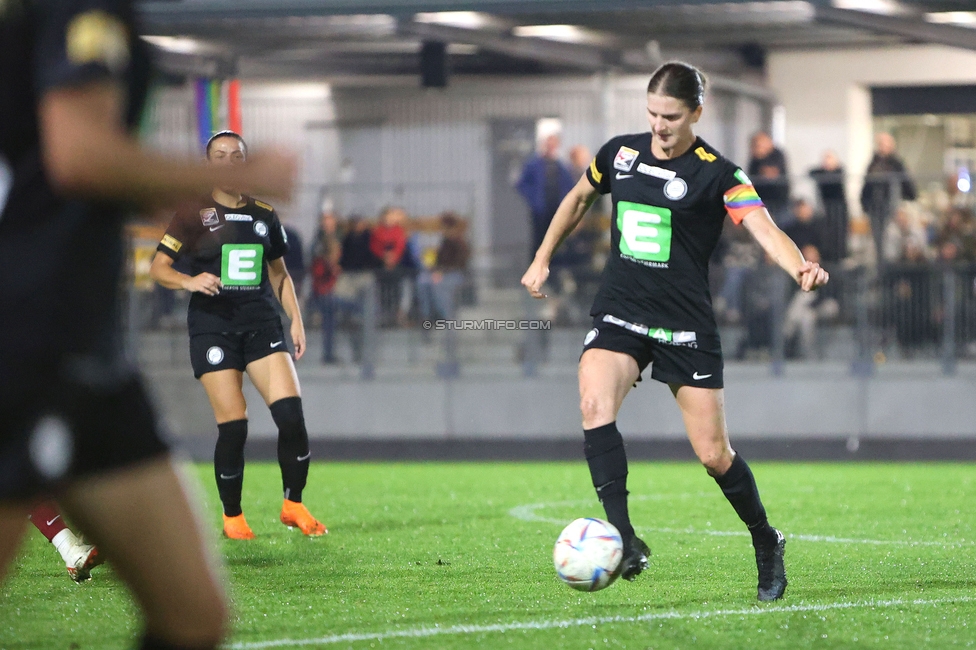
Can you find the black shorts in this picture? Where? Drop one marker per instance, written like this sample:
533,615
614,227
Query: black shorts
226,350
67,429
686,363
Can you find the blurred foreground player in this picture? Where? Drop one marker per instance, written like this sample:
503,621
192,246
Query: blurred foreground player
234,246
75,422
671,191
79,558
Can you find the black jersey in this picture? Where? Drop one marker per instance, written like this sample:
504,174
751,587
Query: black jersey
60,259
234,244
667,218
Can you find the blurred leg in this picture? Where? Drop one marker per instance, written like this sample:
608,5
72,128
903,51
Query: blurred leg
142,519
13,521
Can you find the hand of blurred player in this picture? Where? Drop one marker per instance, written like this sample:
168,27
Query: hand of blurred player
812,276
271,173
535,277
206,283
298,338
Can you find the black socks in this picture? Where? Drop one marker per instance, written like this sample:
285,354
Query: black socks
229,464
739,487
293,453
604,449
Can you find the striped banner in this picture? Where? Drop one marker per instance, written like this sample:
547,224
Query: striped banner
218,107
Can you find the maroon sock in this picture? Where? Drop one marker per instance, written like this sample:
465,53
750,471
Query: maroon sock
47,518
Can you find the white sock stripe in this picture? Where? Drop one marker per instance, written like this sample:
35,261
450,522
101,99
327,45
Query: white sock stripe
423,632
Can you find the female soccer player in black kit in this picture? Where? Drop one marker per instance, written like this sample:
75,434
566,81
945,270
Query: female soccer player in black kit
234,247
75,422
671,192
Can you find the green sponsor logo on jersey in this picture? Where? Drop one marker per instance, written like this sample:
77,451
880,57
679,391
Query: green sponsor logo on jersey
241,265
645,231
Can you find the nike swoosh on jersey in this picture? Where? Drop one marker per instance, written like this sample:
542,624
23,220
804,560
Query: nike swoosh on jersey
212,228
274,345
620,176
305,457
698,377
53,520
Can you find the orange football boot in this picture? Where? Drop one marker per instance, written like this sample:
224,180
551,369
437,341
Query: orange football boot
237,528
294,514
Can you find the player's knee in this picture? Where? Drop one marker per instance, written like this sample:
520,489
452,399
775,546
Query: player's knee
596,410
715,461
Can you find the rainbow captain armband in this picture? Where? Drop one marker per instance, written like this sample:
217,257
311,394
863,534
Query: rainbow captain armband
741,200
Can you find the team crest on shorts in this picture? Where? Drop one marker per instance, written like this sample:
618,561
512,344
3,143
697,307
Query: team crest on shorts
260,229
675,189
215,355
209,217
590,336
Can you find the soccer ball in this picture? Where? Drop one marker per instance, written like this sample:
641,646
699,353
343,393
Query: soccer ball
587,554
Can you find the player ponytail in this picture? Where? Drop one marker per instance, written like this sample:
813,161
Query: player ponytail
681,81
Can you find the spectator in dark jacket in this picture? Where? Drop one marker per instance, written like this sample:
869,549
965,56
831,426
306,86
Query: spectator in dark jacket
767,170
886,185
829,178
544,182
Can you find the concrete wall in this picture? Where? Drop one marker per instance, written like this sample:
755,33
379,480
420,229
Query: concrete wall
826,94
902,402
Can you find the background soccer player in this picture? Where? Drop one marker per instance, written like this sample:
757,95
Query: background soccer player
79,558
671,191
75,421
235,246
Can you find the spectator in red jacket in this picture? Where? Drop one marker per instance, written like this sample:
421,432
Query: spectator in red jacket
389,239
388,242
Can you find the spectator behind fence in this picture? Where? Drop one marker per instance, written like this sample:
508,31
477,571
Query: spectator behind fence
544,182
579,160
437,288
742,256
886,184
757,309
905,239
829,178
325,271
769,175
804,229
358,266
389,244
805,310
956,240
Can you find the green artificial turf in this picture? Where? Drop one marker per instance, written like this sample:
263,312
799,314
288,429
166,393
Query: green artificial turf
439,555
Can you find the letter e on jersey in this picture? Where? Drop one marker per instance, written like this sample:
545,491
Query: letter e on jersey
241,264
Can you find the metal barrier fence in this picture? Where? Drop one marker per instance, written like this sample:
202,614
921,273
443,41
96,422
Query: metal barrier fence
885,301
863,317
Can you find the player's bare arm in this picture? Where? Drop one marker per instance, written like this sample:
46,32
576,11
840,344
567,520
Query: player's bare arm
162,271
571,210
87,152
778,245
284,290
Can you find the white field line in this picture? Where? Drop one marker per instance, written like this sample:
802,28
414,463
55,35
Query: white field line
425,632
529,513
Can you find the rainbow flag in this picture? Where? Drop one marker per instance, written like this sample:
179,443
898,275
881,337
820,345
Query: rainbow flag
218,107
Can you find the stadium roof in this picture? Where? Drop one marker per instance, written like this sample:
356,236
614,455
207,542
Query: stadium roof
346,38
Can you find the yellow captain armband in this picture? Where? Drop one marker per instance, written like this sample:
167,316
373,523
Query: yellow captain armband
172,243
597,176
